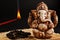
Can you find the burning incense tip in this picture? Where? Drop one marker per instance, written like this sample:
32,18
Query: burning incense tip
9,21
18,15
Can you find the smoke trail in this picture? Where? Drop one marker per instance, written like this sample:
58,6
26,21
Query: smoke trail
17,4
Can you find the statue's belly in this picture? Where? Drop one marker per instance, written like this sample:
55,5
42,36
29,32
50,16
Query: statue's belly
42,27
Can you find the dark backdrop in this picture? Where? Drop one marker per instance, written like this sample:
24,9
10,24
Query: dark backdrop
8,10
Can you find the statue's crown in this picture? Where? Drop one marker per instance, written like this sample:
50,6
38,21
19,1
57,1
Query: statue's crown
42,6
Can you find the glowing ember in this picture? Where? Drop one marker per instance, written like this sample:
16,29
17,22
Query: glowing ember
18,15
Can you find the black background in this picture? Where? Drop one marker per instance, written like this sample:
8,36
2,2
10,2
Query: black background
8,10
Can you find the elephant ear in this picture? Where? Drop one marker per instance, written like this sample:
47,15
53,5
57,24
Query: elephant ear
34,13
32,16
54,17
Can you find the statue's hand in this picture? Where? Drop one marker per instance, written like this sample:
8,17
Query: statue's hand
51,25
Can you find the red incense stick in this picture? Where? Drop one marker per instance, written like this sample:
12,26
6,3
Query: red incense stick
6,22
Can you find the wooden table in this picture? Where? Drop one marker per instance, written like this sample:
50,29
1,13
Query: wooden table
3,36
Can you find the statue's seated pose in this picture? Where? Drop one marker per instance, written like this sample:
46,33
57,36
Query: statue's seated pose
43,21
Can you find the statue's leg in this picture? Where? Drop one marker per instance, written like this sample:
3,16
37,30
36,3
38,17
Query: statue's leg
49,33
38,34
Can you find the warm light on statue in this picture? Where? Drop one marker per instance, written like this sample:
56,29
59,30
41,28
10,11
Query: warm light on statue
41,22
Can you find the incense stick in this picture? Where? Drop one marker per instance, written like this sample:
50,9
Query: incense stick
6,22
